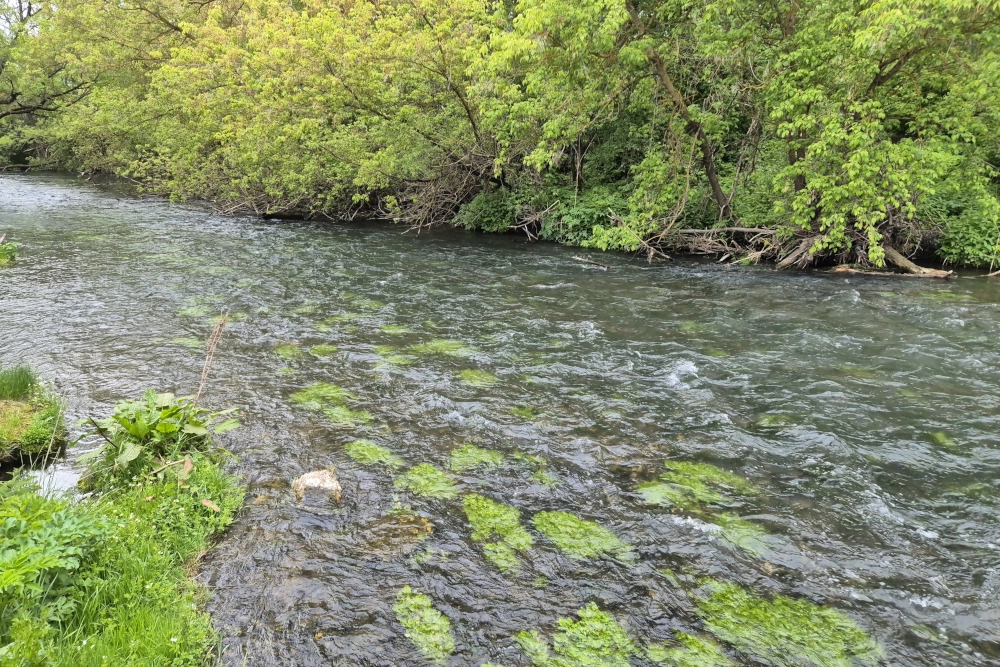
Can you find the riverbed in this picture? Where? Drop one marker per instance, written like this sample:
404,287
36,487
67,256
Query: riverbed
864,413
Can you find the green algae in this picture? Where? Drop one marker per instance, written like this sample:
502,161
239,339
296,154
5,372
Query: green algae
491,520
716,352
308,308
596,640
692,327
367,452
540,471
368,304
477,378
741,533
341,318
188,342
395,329
944,441
688,484
288,351
774,420
525,412
230,317
470,456
426,627
579,538
783,631
389,355
426,480
451,348
194,311
322,350
691,651
330,400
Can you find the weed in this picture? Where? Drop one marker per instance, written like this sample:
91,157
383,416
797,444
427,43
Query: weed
426,627
31,420
491,520
194,311
470,456
783,631
596,640
8,252
16,383
774,420
367,452
389,355
580,538
945,441
477,378
426,480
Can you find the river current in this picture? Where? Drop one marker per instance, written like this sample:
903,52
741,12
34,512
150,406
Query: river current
865,413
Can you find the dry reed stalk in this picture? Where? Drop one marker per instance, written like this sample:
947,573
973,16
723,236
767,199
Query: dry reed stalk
213,342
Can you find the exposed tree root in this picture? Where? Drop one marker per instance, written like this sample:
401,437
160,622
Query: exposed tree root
800,256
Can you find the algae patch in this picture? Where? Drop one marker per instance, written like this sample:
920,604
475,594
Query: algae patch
426,627
395,329
477,378
596,640
330,400
525,412
470,456
451,348
783,631
389,355
426,480
289,351
688,484
491,520
367,452
322,350
580,538
188,342
691,651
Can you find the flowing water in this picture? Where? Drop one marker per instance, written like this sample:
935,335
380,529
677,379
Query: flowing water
866,412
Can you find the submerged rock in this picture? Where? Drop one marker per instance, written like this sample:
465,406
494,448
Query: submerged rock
319,480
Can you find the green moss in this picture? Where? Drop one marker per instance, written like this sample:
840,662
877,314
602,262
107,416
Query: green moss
491,520
330,400
322,350
688,484
691,651
580,538
596,640
470,456
395,329
477,378
289,351
426,627
188,342
783,631
426,480
452,348
367,452
741,533
525,412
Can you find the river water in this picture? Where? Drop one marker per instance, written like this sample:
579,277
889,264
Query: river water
866,412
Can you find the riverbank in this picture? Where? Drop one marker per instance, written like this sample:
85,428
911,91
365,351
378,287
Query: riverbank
105,579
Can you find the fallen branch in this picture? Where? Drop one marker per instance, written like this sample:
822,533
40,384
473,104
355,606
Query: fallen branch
844,268
906,265
992,275
798,256
603,267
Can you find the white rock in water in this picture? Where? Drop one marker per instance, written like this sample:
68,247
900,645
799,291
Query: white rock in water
322,480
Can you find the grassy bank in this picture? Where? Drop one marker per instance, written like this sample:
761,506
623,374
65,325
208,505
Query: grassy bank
105,580
31,417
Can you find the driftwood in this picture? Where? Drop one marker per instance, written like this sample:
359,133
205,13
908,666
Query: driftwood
844,268
799,256
909,267
602,267
992,275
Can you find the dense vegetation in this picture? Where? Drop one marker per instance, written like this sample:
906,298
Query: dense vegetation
32,427
103,581
829,129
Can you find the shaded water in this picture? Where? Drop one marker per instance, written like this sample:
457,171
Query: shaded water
866,411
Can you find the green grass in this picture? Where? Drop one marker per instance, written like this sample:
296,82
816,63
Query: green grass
31,418
16,383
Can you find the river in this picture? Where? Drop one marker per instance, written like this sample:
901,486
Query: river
865,413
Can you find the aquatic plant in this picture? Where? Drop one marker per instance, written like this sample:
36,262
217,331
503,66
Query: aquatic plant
580,538
945,441
741,533
688,484
395,329
783,631
330,399
426,627
389,355
188,342
469,456
426,480
367,452
452,348
194,311
341,318
596,640
288,351
691,651
8,252
322,350
774,420
525,411
368,304
477,378
492,520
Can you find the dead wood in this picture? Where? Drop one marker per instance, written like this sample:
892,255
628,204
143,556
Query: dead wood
602,267
897,259
800,256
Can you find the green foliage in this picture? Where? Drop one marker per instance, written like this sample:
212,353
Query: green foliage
17,383
688,485
8,253
580,538
141,435
331,401
426,480
31,416
596,640
691,651
783,631
367,452
469,456
494,211
426,627
491,520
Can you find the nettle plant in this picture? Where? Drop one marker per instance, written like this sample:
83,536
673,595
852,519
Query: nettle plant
151,436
